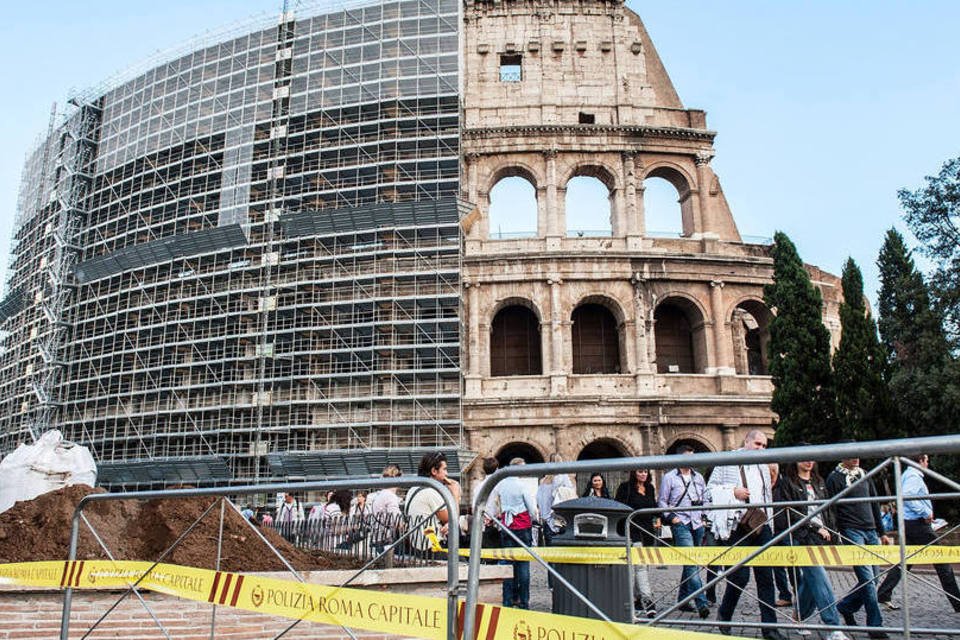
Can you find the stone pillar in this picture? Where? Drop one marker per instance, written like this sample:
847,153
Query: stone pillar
723,345
557,368
474,375
633,203
643,367
728,437
555,223
705,223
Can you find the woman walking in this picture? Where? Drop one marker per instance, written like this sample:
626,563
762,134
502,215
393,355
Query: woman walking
637,492
800,482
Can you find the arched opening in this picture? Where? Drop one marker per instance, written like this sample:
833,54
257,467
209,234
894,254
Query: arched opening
513,209
680,336
667,208
596,340
693,443
528,452
515,342
750,329
588,207
602,449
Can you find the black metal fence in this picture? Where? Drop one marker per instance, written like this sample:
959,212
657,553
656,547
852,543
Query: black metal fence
361,537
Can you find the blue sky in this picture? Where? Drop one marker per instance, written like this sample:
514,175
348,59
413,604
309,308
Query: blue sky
823,108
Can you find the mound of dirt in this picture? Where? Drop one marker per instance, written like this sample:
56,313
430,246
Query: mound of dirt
39,529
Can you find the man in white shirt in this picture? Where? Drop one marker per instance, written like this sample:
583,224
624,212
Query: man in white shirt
750,484
425,506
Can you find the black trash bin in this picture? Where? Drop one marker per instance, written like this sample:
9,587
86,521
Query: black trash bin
593,522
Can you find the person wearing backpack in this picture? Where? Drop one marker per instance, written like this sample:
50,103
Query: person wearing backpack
553,489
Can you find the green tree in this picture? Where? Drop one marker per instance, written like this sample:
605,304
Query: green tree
923,373
864,409
933,214
799,351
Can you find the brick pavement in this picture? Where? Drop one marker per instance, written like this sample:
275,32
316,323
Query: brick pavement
928,605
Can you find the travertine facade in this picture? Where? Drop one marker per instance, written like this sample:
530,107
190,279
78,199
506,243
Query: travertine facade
556,90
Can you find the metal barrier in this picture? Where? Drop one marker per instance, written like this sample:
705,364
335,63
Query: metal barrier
891,452
221,493
358,536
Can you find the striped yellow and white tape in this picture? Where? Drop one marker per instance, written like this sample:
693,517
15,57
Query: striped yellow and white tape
805,556
401,615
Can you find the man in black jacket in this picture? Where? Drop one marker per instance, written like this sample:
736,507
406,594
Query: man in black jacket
859,523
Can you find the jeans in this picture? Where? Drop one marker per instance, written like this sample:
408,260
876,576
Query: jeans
815,593
684,535
738,579
517,589
641,581
865,593
921,533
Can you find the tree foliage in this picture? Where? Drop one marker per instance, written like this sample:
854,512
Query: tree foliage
933,214
799,351
923,374
864,408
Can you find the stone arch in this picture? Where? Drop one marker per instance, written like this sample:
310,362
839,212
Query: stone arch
597,337
683,183
515,342
590,200
517,300
750,332
530,452
512,202
680,334
699,443
599,449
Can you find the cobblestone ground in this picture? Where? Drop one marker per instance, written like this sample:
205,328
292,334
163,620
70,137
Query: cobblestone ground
929,608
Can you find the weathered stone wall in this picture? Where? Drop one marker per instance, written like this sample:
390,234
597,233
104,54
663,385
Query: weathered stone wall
594,57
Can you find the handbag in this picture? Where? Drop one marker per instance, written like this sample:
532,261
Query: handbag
754,517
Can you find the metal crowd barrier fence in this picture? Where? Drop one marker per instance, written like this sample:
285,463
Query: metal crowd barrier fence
361,537
220,494
893,454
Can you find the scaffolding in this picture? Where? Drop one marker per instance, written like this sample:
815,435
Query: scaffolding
252,248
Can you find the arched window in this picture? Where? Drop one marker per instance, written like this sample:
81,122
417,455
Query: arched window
528,452
661,208
513,209
750,327
588,208
596,341
680,337
515,343
602,449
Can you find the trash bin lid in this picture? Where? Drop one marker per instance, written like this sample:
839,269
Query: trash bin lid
591,504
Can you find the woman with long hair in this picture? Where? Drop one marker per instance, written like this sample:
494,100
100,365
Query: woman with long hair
637,492
597,487
800,482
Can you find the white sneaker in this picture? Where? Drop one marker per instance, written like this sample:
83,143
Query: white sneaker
838,635
891,605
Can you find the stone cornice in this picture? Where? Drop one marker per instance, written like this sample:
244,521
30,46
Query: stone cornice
593,130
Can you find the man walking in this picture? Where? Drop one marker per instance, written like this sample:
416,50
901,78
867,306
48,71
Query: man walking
683,492
918,530
748,484
859,523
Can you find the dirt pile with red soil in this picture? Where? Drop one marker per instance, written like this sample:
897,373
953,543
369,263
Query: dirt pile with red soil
39,529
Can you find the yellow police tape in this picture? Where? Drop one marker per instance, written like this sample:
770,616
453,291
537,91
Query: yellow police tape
389,613
820,555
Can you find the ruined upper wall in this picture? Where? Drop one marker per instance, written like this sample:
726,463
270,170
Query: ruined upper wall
591,57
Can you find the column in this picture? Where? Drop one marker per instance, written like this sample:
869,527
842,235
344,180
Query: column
632,208
723,345
558,376
474,375
555,225
706,225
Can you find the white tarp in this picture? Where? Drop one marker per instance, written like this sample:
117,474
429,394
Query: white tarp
46,465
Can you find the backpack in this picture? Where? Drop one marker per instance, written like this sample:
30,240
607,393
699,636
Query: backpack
561,493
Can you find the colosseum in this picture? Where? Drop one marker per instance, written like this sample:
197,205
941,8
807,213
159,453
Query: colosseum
280,254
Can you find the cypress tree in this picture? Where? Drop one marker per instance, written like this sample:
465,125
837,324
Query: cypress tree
923,373
799,351
864,410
